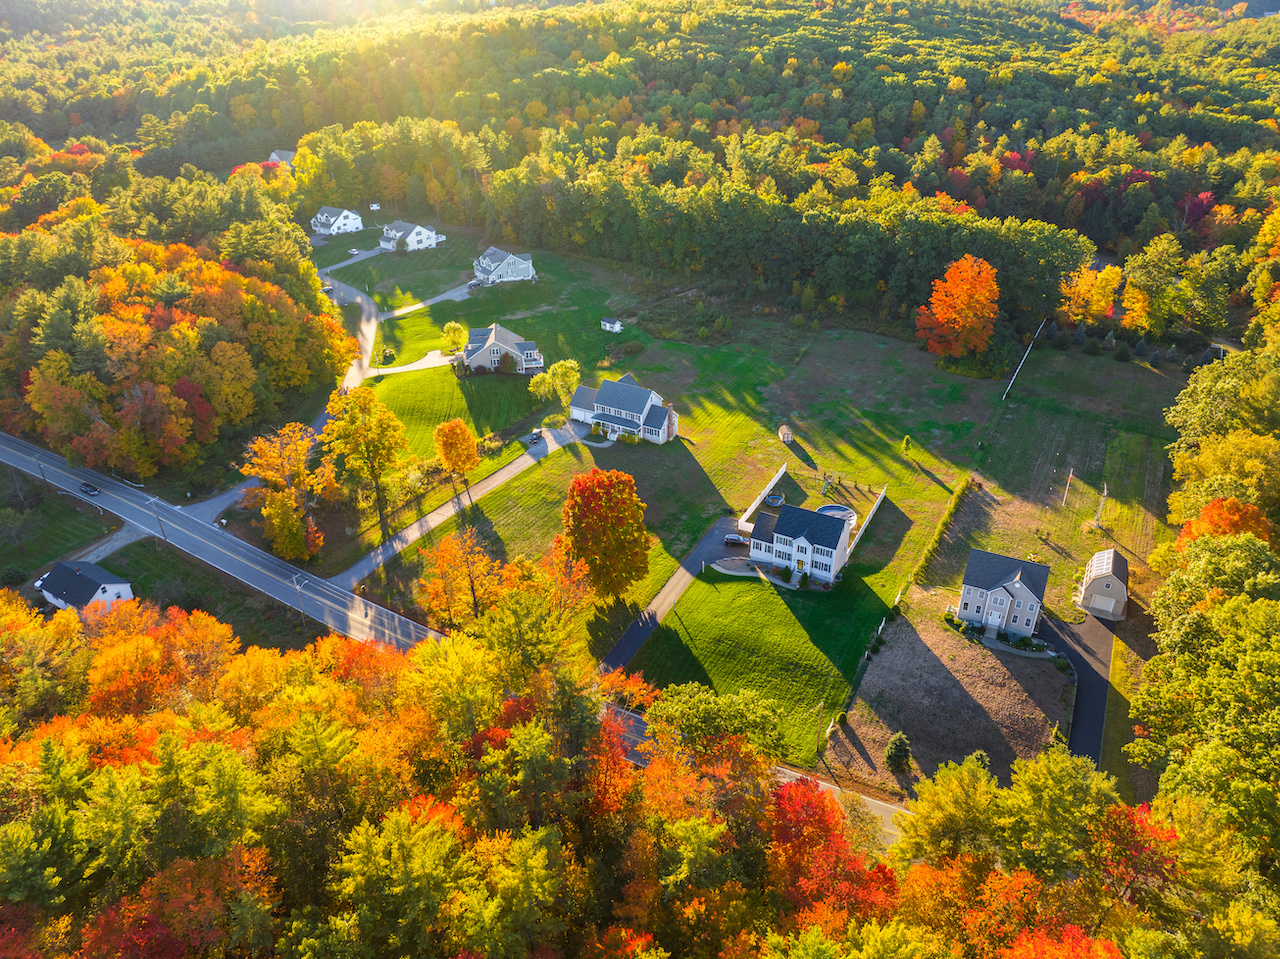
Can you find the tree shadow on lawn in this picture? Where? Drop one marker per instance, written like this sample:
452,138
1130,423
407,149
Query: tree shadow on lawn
972,519
474,518
889,527
680,664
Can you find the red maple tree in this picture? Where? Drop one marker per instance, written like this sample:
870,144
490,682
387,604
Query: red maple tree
960,317
604,527
1225,517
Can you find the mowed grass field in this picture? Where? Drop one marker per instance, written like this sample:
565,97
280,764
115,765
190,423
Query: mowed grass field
398,279
46,531
336,247
167,577
800,648
1090,420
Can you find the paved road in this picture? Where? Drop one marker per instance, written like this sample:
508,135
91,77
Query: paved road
709,549
1088,647
321,600
552,440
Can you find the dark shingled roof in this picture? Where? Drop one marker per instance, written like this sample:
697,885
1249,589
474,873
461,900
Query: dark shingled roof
763,530
1108,561
818,528
656,418
584,398
629,425
76,584
621,395
990,570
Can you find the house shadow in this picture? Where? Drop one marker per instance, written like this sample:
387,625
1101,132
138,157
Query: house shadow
889,527
972,519
909,689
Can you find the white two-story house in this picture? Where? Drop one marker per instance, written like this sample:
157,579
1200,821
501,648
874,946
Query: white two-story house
331,220
1003,592
76,585
415,237
488,344
625,408
499,266
803,540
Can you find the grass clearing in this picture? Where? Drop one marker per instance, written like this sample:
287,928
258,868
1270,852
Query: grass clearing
800,648
48,530
168,577
398,279
336,247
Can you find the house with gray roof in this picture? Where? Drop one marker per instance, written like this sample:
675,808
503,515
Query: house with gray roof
1104,591
1004,593
332,220
625,408
498,266
415,237
488,344
800,539
79,584
282,156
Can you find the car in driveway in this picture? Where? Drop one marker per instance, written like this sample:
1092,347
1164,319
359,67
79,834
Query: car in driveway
535,436
473,284
353,251
734,539
89,489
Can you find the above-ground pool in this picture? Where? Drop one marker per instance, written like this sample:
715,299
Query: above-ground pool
838,511
774,499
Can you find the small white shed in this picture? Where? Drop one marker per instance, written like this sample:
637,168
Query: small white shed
610,325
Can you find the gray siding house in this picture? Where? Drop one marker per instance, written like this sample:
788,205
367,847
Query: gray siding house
1002,592
487,345
625,408
499,266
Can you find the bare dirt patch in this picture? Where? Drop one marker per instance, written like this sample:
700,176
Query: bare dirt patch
950,698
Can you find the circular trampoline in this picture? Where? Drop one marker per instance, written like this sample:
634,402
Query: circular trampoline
774,499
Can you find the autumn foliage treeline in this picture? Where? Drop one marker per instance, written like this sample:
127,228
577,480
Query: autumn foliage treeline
139,329
168,795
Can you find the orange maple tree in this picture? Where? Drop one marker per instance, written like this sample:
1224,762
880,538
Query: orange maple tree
1225,517
604,527
456,445
960,317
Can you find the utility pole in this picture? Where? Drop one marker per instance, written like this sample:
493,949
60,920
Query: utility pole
1068,489
40,466
302,616
152,503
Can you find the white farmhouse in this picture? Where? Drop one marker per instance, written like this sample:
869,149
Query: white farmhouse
1003,593
610,325
1104,591
487,345
625,408
331,220
79,584
803,540
499,266
415,237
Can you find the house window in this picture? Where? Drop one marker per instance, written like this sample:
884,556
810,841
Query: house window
1028,620
1018,605
982,594
1031,607
1106,585
968,591
495,351
801,550
979,610
966,607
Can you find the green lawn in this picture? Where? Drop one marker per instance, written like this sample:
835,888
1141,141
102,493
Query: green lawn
560,312
424,399
336,247
167,577
1090,419
800,648
46,531
397,279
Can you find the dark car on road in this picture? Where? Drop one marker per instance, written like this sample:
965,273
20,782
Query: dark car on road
89,489
733,539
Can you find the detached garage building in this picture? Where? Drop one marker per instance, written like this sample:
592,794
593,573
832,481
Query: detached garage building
1104,591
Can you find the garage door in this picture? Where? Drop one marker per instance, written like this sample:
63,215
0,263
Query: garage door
1102,604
